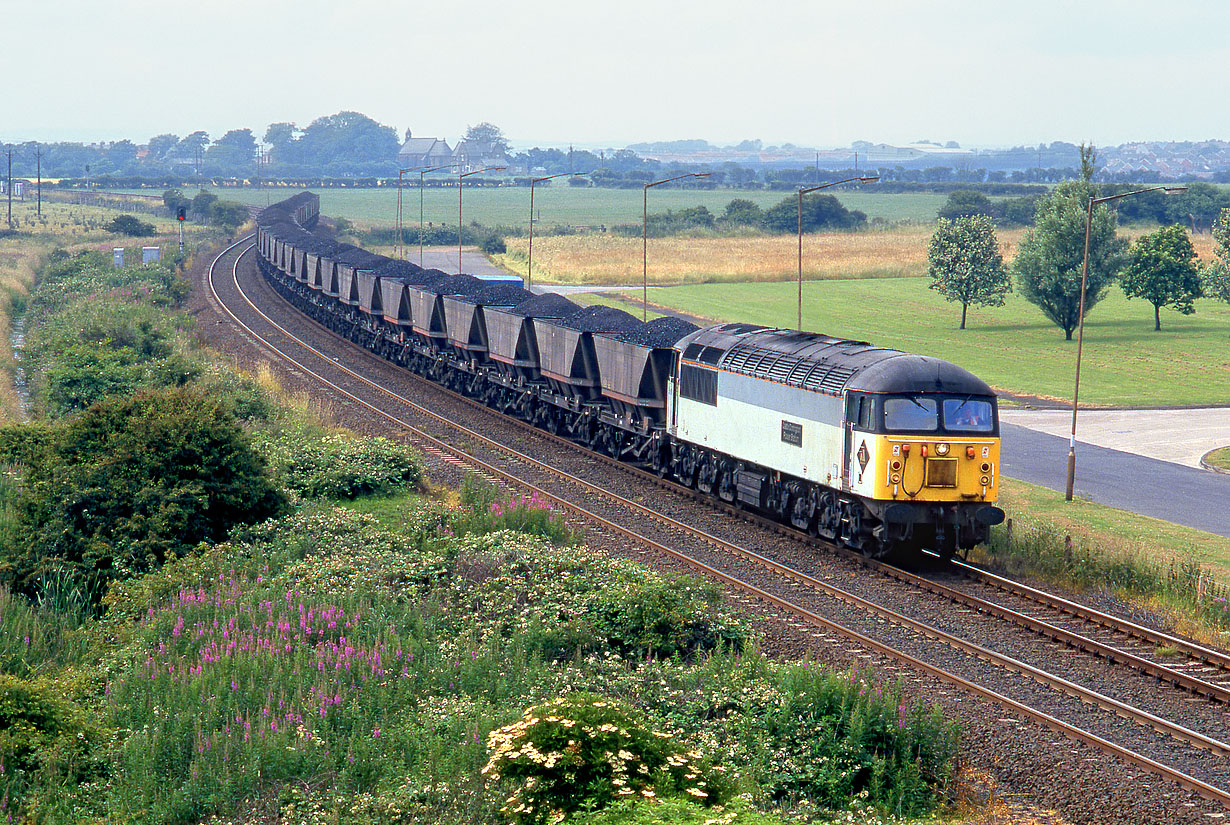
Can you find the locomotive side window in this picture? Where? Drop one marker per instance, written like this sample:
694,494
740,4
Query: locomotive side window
698,384
968,415
862,412
911,413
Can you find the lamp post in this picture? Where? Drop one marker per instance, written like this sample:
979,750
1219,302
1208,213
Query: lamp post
1080,321
460,177
427,171
529,266
645,238
802,192
398,247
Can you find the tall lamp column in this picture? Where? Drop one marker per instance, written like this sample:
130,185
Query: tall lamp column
529,266
645,239
1080,321
802,192
460,186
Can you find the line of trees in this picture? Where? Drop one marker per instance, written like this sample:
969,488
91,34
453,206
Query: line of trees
966,266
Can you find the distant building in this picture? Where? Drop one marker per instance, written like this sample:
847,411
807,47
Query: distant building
471,155
423,152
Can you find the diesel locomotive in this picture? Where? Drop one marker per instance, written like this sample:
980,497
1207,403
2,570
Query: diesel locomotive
879,450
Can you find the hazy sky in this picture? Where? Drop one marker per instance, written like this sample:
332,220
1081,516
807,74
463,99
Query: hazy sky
550,72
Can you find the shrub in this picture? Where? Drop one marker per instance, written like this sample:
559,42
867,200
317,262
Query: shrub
585,751
318,464
131,226
46,740
662,617
133,481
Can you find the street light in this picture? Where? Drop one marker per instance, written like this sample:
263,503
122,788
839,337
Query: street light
802,192
459,188
422,170
1080,321
398,246
529,267
645,239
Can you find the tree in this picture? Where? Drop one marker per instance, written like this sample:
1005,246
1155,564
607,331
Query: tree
174,199
489,134
743,211
819,212
202,203
1215,275
1089,161
234,151
1048,263
228,214
1161,268
159,145
966,264
966,202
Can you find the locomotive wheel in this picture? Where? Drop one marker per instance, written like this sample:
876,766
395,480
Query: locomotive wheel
828,519
706,474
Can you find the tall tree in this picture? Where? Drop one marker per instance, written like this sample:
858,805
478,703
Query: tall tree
234,151
1161,268
159,145
489,134
1089,161
966,264
1215,275
1047,267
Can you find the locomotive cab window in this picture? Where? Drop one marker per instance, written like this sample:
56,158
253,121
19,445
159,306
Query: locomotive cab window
969,415
911,413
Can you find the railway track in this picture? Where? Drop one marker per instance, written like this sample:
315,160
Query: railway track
1183,753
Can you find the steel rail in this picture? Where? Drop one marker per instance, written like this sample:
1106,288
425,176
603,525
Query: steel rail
1140,717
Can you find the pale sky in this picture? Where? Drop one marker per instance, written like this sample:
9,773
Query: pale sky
605,74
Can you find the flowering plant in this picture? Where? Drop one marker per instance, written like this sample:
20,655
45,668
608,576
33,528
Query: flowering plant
585,750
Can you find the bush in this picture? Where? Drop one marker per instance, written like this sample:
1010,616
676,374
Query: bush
318,464
133,481
493,245
586,751
484,511
662,618
132,226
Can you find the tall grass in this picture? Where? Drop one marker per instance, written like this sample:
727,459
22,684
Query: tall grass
1181,589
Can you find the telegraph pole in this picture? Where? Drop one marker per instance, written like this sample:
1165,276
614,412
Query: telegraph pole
10,186
39,156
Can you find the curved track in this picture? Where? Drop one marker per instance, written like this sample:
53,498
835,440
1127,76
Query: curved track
769,580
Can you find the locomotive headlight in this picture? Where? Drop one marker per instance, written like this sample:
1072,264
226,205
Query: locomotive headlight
985,481
895,478
895,465
941,449
986,467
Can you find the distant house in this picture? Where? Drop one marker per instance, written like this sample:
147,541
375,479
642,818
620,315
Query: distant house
423,152
471,155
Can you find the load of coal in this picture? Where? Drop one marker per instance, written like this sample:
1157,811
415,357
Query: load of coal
498,295
357,257
660,332
407,272
454,285
547,305
600,319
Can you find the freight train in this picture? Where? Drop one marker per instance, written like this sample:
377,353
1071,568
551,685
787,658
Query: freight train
881,451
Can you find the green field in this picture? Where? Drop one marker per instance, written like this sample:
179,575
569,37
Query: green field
564,205
1013,347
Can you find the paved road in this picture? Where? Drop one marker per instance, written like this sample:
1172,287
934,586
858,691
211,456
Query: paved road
1161,489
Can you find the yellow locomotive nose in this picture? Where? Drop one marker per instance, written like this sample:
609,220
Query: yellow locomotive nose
938,471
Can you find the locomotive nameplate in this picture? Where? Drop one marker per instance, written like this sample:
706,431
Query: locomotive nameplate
792,433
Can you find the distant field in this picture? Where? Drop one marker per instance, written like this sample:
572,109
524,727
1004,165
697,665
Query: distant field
1014,347
564,205
608,259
